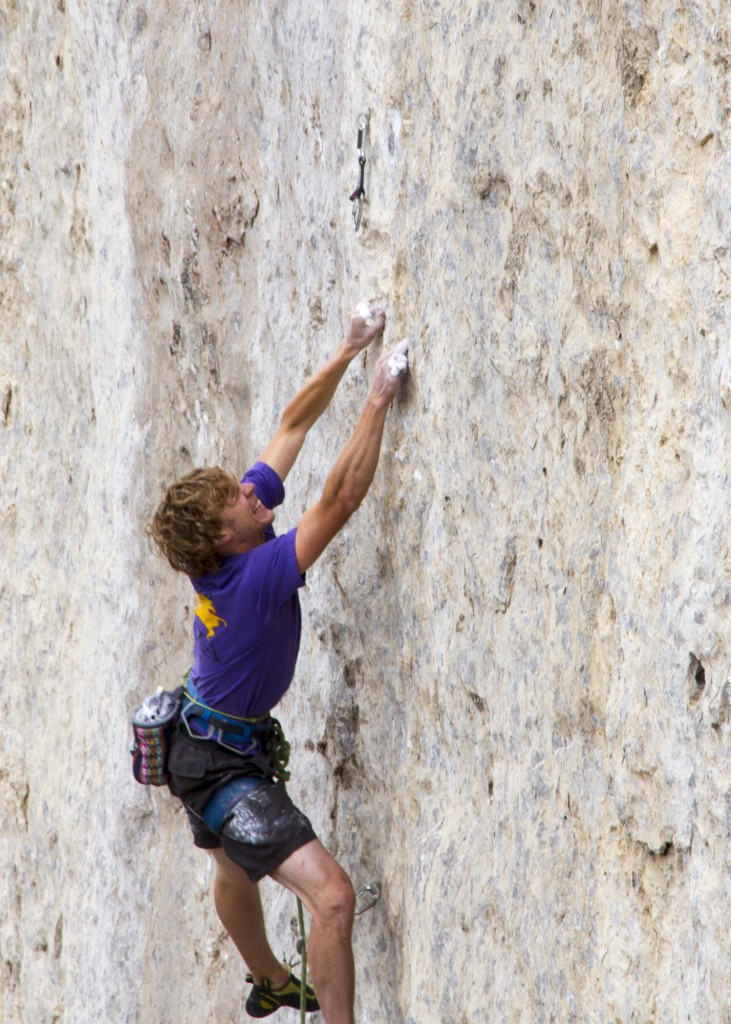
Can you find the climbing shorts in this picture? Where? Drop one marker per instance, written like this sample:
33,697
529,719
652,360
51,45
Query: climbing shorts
264,827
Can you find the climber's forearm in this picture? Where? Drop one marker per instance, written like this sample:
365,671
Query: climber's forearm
352,474
313,399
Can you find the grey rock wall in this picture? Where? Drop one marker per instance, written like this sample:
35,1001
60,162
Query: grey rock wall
512,701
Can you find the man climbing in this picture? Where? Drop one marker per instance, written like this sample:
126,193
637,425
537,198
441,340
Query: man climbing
227,753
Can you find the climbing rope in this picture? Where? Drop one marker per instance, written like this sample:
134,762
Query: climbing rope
302,941
302,949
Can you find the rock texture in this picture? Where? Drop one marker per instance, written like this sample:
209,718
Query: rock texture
512,704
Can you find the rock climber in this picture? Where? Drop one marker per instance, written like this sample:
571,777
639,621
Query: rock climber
246,635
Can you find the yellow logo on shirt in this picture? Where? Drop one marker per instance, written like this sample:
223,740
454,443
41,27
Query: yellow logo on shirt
207,614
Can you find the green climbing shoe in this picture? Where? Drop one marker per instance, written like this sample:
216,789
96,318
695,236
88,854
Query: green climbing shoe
263,999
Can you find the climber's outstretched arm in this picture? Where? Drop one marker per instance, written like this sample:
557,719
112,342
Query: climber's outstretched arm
311,401
351,476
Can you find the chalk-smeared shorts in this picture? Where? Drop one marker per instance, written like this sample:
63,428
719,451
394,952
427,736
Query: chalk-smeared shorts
265,827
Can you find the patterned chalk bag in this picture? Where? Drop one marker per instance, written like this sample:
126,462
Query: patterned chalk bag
152,724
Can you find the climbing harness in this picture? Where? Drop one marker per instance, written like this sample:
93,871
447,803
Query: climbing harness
225,729
358,194
245,736
220,807
152,724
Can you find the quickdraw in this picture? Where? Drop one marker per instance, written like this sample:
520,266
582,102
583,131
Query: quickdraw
358,194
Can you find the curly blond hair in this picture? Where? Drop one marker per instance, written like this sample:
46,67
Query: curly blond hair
187,523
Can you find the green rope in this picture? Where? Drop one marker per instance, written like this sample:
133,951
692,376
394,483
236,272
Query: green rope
302,944
279,752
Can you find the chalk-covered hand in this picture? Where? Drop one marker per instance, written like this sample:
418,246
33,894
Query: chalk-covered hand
390,369
365,323
398,362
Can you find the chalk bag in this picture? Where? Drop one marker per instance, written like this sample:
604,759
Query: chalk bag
152,724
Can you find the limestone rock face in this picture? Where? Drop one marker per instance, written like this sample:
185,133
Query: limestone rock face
512,702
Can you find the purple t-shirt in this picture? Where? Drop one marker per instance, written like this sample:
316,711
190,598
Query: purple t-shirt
246,633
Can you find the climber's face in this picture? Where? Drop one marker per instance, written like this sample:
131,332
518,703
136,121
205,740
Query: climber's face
243,522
